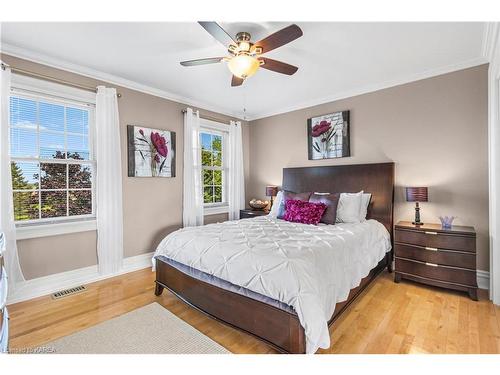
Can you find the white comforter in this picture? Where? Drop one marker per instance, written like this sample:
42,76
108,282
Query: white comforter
308,267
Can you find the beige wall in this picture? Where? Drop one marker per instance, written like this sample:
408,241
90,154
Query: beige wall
48,255
152,207
435,130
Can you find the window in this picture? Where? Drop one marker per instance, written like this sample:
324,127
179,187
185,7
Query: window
213,167
52,162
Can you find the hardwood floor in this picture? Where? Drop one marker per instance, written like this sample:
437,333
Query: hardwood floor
387,318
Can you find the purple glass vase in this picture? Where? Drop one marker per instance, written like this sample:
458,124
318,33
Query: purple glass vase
446,221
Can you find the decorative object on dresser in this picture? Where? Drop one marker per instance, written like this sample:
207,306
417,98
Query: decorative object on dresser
271,191
328,136
417,195
432,255
258,204
151,152
447,221
249,213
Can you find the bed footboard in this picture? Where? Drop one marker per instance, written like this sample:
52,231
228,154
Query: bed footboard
278,328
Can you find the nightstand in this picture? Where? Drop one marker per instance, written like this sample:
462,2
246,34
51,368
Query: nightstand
248,213
440,257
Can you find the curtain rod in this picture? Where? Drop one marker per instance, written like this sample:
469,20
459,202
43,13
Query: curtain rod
210,118
52,79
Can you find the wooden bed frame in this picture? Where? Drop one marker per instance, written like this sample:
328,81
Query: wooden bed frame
279,328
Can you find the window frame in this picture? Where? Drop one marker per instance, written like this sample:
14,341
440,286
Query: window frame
44,91
220,129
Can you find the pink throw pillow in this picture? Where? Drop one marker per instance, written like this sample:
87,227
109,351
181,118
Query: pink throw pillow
303,212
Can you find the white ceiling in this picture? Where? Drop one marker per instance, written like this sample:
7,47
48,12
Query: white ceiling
335,60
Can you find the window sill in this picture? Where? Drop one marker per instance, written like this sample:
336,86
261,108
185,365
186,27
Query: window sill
215,210
45,230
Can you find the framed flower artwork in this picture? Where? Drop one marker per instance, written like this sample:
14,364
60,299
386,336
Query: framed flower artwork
328,136
151,152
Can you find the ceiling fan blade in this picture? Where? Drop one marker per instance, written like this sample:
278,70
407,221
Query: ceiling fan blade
279,38
211,60
214,29
236,81
278,66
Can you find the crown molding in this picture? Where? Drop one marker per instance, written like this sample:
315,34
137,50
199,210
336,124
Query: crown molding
490,39
52,62
372,88
490,30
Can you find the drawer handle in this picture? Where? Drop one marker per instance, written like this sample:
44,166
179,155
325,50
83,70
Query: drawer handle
426,232
431,264
431,248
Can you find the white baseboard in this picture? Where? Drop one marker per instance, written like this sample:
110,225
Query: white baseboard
49,284
483,279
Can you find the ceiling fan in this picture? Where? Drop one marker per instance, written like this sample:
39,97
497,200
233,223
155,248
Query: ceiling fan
245,57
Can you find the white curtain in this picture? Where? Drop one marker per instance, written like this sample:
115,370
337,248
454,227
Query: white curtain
192,213
109,182
236,180
7,225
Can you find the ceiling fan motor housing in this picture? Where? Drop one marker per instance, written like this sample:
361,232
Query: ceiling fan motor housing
244,56
243,44
243,37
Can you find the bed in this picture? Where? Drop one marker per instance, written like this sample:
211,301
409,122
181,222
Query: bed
281,282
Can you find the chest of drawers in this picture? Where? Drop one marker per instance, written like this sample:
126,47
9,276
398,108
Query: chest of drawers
435,256
249,213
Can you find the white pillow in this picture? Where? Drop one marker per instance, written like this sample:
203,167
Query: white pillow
276,204
365,201
349,207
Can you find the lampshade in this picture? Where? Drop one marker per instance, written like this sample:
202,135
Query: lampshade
416,194
243,66
271,191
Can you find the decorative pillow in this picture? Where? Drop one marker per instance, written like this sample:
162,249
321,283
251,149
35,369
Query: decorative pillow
365,202
349,207
331,201
288,195
298,211
276,205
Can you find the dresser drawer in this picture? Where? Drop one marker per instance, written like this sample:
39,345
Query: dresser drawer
435,255
435,239
443,273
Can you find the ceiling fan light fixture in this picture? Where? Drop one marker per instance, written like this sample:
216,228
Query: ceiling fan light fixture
243,66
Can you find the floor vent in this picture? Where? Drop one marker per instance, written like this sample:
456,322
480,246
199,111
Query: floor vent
68,292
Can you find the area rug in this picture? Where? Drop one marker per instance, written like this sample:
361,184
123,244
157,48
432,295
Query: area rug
151,329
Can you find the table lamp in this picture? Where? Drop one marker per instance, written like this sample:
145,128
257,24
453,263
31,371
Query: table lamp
271,191
417,195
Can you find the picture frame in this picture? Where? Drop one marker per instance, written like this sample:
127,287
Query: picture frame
328,136
151,152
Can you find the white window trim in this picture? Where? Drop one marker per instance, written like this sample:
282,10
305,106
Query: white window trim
25,86
22,83
54,229
217,127
216,209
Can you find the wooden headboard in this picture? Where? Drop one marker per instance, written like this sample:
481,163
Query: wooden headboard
377,179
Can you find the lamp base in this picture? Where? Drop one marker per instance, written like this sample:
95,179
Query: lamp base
417,221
